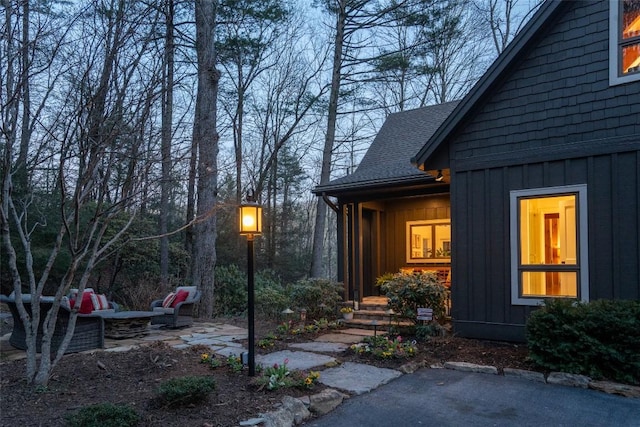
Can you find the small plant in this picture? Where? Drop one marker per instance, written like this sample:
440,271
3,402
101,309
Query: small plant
346,310
277,376
284,327
103,415
185,391
311,379
235,363
382,347
211,360
268,341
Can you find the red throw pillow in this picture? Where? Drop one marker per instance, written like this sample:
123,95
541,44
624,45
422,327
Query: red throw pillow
181,296
86,306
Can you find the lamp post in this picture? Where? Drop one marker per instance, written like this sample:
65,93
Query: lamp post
250,216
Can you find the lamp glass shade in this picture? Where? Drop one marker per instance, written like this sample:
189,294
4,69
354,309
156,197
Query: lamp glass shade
250,216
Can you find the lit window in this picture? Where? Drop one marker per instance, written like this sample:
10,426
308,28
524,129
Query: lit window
549,244
624,41
428,241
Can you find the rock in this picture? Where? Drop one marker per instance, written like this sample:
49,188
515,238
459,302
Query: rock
297,408
280,418
325,401
527,375
571,380
615,388
471,367
252,422
411,367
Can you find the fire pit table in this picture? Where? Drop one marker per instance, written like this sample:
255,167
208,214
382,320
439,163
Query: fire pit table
127,324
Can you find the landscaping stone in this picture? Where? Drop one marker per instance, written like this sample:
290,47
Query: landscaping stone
280,418
471,367
339,338
571,380
357,378
326,401
411,367
229,351
252,422
615,388
301,360
359,332
297,408
522,373
322,347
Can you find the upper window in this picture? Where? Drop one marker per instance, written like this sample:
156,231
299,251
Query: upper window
549,244
624,41
428,241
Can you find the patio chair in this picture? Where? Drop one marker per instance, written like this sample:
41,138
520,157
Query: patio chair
176,308
87,335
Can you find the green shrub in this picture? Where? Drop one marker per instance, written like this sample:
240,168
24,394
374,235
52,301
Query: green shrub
185,391
408,291
103,415
271,298
317,296
600,339
230,291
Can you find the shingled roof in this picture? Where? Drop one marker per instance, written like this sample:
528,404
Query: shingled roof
388,160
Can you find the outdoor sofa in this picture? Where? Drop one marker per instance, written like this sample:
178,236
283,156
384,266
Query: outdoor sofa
87,335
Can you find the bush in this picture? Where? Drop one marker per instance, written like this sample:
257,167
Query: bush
103,415
271,296
408,291
185,391
230,291
600,339
317,296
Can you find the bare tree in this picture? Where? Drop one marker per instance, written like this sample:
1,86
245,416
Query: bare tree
205,135
505,18
94,141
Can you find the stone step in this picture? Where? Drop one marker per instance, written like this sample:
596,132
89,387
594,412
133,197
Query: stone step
379,325
371,315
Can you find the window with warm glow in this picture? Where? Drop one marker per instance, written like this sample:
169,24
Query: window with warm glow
548,244
428,241
624,43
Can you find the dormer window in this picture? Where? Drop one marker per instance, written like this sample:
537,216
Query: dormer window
624,41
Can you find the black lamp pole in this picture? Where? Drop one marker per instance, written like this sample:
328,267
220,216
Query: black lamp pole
252,353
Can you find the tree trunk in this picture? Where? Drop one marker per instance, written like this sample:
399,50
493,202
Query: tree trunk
206,135
167,127
317,269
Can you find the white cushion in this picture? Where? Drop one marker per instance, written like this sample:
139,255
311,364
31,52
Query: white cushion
168,300
165,310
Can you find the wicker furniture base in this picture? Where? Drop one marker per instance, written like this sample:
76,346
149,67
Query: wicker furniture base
87,335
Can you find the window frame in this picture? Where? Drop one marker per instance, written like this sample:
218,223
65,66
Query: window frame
408,243
582,244
615,47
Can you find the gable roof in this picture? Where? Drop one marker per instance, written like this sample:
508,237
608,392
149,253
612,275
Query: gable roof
388,159
536,27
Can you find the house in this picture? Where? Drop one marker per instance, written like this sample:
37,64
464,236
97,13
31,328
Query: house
540,178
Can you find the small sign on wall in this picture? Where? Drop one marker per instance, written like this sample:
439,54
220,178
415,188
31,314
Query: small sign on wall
425,313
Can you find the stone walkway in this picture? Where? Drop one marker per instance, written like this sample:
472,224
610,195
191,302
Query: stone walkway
223,339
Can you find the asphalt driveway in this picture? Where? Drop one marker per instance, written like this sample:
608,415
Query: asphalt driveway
442,397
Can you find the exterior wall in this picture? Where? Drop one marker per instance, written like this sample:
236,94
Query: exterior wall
396,214
555,121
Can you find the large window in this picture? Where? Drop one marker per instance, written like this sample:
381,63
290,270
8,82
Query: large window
428,241
624,41
548,244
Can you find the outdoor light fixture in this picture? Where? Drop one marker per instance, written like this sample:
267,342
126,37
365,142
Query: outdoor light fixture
250,221
303,315
439,177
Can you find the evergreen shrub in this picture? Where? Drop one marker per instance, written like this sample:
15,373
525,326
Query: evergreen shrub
408,291
600,339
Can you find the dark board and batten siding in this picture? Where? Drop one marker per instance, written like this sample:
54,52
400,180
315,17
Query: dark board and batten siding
555,121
